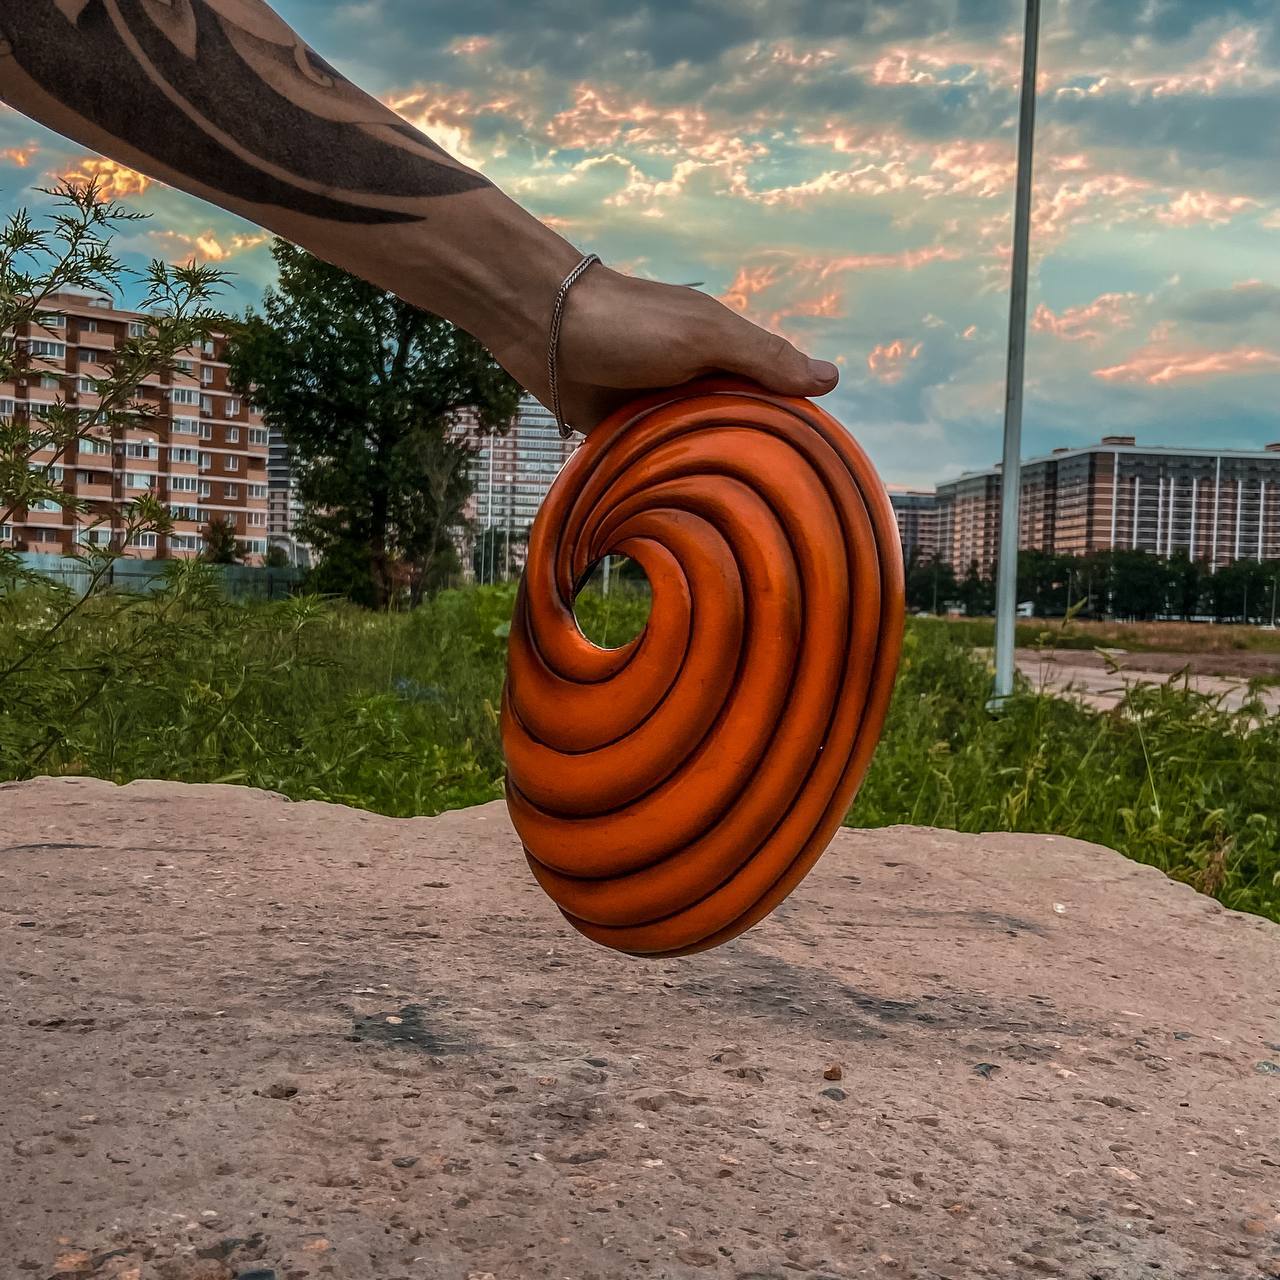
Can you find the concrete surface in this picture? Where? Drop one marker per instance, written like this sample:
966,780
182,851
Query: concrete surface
243,1037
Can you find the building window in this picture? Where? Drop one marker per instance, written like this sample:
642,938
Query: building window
6,532
138,480
87,386
50,383
231,491
184,395
182,455
206,489
141,449
186,426
184,366
257,435
258,519
206,404
46,349
233,408
206,374
206,431
233,435
88,326
92,446
7,407
88,357
257,491
52,321
146,541
138,328
183,484
207,346
233,462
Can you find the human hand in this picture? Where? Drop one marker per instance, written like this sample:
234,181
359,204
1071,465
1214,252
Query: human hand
622,336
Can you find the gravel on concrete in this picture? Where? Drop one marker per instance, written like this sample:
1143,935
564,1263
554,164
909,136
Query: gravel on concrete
244,1037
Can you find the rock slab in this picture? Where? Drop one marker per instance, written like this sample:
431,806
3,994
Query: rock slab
244,1037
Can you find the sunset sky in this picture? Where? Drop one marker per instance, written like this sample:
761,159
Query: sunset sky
842,171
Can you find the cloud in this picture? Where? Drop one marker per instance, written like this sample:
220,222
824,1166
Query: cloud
1089,322
20,156
1204,206
1245,301
114,181
1157,367
888,362
205,246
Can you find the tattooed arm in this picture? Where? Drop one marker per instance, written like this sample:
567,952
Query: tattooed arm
222,99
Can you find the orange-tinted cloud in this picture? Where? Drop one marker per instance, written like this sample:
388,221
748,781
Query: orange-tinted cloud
749,282
1192,207
206,247
1087,323
1157,366
20,156
115,181
888,361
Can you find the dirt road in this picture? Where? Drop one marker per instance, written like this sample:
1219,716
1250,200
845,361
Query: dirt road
1088,675
244,1037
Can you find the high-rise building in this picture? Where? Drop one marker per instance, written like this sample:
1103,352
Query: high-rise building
1213,505
197,443
284,507
510,476
917,514
969,521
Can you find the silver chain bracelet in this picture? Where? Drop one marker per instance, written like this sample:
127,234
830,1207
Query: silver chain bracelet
553,348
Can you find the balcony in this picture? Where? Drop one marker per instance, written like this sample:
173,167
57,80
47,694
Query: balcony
100,341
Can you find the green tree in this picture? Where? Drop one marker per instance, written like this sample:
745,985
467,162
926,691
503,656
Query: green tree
976,593
367,391
276,558
58,665
931,584
1139,585
220,545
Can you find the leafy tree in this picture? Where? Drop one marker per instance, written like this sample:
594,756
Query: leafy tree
931,583
276,558
220,545
976,593
367,390
497,553
50,684
73,252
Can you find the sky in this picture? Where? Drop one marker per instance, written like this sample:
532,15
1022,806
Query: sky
842,171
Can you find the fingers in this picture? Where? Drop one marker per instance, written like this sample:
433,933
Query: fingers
771,360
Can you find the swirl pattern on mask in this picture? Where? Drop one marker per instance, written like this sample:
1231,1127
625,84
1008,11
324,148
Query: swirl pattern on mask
671,792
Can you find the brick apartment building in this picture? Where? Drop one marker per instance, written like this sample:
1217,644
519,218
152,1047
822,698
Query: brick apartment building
202,450
510,476
1215,506
917,515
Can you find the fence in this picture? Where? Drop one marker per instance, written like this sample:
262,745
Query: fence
241,582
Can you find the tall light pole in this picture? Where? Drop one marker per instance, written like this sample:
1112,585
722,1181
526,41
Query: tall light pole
1011,470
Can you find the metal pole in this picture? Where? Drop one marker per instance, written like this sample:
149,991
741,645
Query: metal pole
1011,471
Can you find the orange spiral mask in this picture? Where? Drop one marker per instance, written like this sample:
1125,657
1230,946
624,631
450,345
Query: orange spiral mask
670,793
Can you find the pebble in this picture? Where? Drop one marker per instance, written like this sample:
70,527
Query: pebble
405,1162
986,1069
1267,1068
836,1095
697,1257
833,1072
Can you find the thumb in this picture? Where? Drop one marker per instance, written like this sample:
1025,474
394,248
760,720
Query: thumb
772,361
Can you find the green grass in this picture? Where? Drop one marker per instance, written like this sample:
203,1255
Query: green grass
398,714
